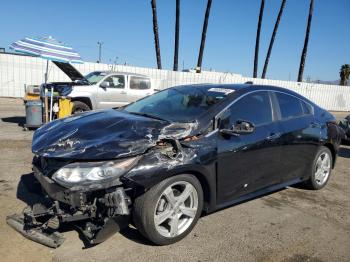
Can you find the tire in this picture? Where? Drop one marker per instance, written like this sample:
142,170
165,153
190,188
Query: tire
79,107
156,204
315,181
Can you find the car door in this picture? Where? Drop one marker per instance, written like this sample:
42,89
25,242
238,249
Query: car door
112,92
139,87
249,162
300,134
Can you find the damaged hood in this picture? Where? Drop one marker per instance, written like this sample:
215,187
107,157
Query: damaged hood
104,134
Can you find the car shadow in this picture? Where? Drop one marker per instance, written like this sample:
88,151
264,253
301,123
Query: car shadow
19,120
28,190
344,152
133,234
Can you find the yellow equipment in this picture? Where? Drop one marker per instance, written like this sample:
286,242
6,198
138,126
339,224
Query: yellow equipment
29,97
32,92
65,107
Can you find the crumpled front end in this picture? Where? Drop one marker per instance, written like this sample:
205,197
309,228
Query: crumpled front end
97,211
99,201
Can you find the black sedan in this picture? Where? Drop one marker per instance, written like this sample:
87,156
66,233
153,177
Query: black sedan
162,161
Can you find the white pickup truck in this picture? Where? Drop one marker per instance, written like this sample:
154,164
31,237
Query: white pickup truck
101,89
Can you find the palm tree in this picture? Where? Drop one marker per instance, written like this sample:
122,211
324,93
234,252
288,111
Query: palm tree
155,31
257,41
177,29
344,74
267,59
306,42
204,33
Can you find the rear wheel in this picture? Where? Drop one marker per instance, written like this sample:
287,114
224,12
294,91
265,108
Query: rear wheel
321,169
168,211
79,107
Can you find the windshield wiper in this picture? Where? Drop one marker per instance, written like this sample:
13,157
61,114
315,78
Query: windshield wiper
148,115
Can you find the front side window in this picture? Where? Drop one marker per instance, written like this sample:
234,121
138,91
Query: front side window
290,106
139,83
115,81
255,108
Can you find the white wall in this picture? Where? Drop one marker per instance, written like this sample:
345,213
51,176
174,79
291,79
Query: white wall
16,71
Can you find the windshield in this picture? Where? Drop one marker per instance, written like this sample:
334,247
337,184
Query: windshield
95,77
183,104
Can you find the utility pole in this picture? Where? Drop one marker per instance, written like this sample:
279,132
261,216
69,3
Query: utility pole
99,51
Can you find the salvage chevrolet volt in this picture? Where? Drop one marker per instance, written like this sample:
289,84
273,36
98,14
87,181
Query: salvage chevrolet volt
161,162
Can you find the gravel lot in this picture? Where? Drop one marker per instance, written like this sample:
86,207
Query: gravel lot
290,225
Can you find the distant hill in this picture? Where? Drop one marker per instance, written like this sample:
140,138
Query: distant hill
334,82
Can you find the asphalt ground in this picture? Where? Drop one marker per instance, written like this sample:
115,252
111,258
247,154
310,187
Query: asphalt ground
293,224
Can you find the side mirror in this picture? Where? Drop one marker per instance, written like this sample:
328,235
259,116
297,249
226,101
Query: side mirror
241,127
104,84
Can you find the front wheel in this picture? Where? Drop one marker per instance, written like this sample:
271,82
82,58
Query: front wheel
79,107
168,211
321,169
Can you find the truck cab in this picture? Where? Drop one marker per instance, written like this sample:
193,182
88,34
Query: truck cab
103,89
109,89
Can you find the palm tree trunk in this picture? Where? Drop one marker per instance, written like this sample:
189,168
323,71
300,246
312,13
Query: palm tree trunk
257,42
343,81
204,33
155,31
177,33
306,42
273,36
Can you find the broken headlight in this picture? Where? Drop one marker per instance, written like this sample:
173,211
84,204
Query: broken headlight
83,173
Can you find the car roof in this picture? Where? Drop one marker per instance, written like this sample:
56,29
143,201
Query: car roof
236,87
120,72
244,87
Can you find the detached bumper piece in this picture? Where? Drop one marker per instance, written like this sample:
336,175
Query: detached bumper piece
96,234
98,221
45,237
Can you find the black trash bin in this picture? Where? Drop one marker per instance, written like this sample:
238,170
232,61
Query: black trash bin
33,114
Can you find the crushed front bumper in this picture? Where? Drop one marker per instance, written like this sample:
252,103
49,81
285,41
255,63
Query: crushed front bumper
97,213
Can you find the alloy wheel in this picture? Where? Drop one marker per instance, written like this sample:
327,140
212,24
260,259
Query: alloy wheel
323,168
176,209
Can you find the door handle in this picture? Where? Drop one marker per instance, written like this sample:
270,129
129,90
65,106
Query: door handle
123,92
273,136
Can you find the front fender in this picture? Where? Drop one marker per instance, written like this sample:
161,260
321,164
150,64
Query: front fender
156,165
76,95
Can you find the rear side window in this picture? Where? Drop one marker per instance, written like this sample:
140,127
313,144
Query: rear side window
139,83
290,106
255,107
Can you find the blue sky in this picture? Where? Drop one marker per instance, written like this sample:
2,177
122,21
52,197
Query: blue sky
125,27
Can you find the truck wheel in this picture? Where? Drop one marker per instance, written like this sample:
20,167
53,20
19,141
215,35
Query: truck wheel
320,170
79,107
168,211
